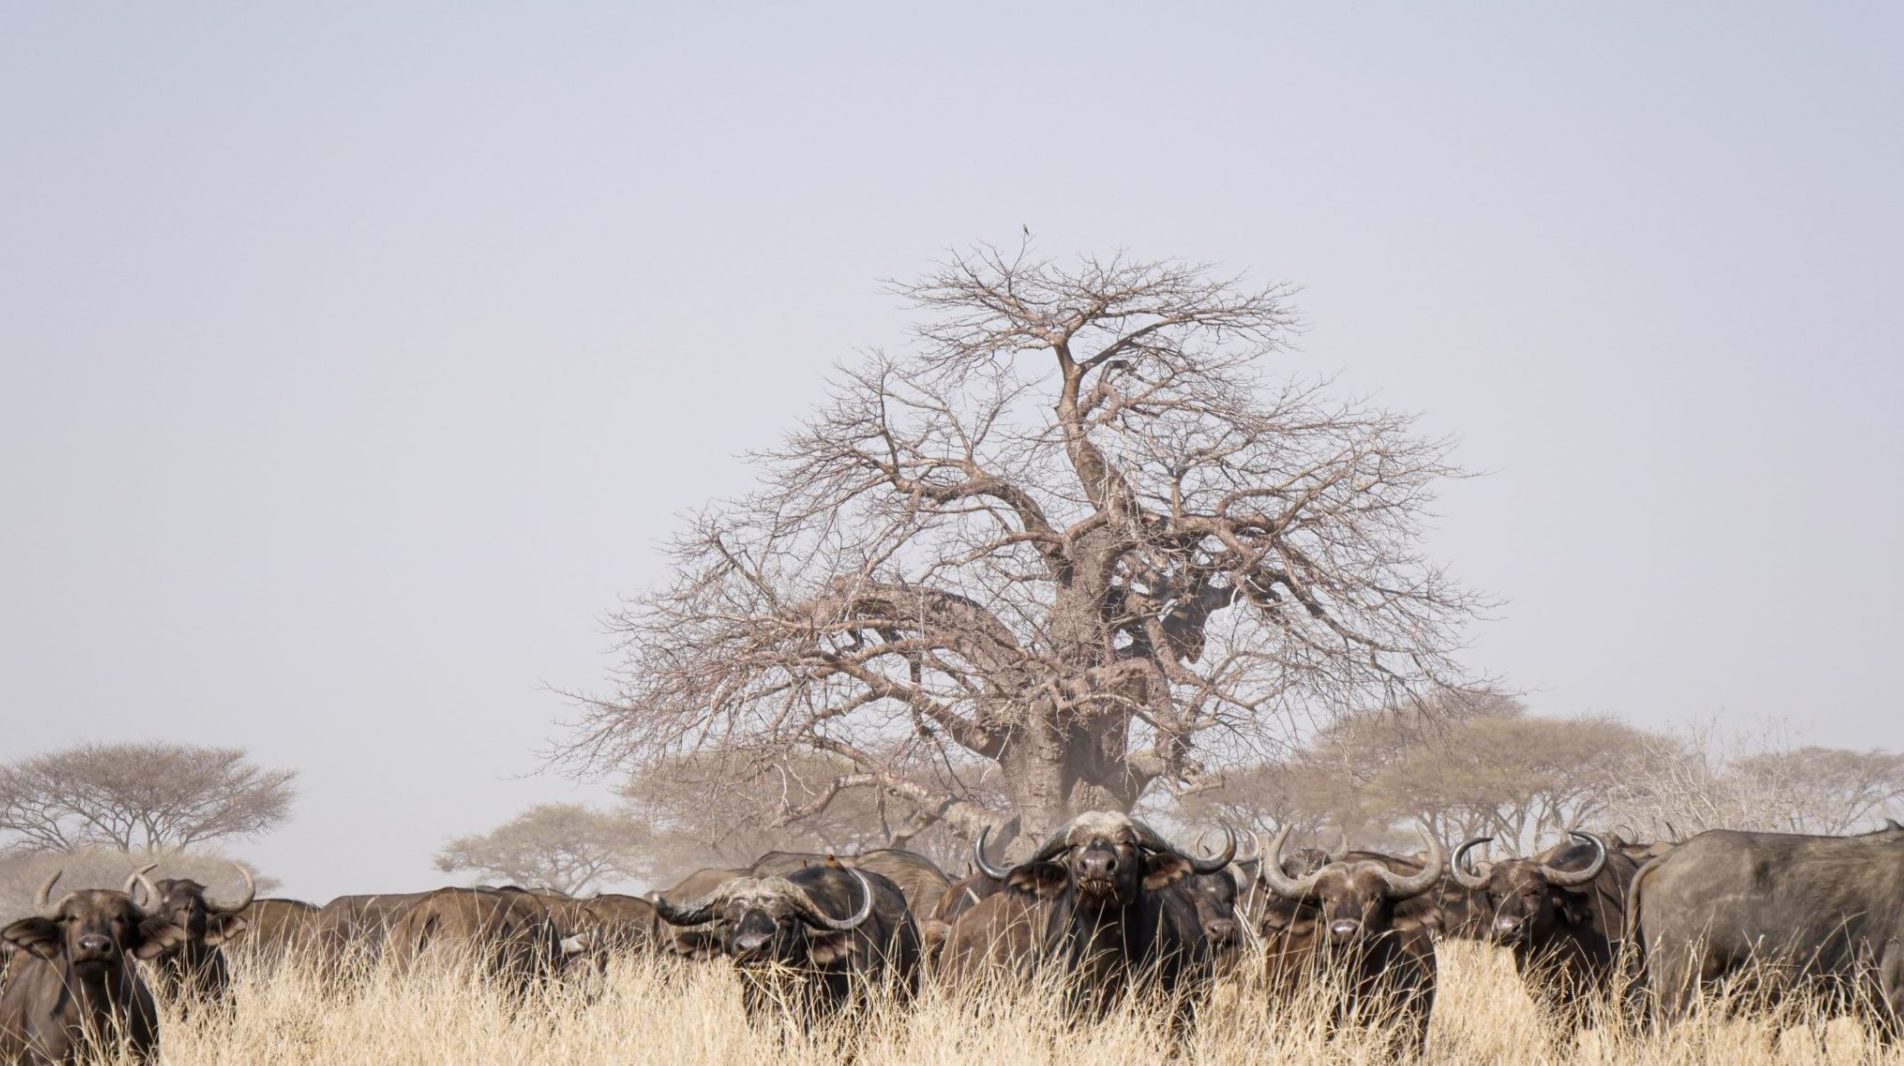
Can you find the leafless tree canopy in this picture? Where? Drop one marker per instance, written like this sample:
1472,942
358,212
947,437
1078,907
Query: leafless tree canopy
139,797
1071,536
562,846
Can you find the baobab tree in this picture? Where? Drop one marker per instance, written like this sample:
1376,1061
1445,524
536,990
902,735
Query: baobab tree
1067,547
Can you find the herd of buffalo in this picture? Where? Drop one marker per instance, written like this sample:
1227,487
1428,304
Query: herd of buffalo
1106,905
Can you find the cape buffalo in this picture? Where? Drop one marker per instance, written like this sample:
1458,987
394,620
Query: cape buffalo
507,933
1120,915
348,932
1562,914
1384,962
817,940
922,882
71,986
1793,914
999,939
275,929
195,969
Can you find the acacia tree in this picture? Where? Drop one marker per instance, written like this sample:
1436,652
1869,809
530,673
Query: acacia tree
149,797
563,846
1070,534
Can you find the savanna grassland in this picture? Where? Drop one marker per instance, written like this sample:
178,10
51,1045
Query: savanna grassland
665,1013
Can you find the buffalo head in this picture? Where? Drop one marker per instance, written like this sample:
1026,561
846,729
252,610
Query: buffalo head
188,905
1355,900
1109,858
1528,898
760,921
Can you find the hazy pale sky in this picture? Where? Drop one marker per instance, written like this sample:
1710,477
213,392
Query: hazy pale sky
354,360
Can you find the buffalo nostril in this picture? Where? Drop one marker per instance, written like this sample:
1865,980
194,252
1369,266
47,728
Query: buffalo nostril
95,943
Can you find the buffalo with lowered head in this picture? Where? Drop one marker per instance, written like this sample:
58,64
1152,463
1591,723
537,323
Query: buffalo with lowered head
72,990
1348,924
1120,914
819,939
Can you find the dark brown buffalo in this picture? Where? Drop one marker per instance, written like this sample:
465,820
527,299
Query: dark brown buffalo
1120,914
72,989
275,929
817,940
1795,915
348,932
1381,961
507,933
923,883
1562,914
195,969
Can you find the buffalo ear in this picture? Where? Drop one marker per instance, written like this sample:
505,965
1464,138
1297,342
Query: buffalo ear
824,948
222,927
1163,869
41,936
1046,879
158,936
696,944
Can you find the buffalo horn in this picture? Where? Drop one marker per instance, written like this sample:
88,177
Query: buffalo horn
978,856
137,879
43,899
811,913
675,914
1403,887
1463,870
251,892
1056,844
1216,862
1571,878
1271,871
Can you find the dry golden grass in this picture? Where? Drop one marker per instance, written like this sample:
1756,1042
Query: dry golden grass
669,1014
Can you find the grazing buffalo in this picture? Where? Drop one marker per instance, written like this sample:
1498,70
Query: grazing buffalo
1808,915
922,882
348,932
507,933
196,968
275,929
1383,961
72,990
1562,914
817,940
1000,938
1120,915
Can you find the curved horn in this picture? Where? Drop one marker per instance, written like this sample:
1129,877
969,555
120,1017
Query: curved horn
675,914
1404,887
43,899
1057,843
811,913
1216,862
1464,873
1271,871
1572,878
978,856
1256,849
251,893
137,879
